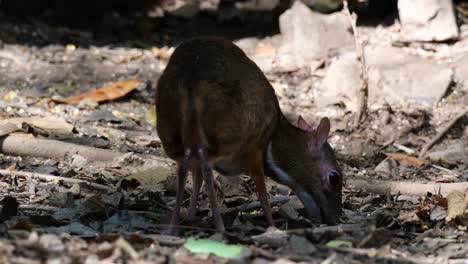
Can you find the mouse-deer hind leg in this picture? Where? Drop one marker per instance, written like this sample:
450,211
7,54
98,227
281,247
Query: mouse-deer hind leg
208,179
197,179
181,181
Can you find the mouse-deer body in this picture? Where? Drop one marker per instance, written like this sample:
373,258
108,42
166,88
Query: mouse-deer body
216,110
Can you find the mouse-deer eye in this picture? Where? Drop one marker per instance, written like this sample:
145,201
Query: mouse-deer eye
333,178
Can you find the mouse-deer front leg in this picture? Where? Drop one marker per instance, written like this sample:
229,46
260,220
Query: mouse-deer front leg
258,176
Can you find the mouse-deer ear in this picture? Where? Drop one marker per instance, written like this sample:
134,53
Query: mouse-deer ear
302,124
323,130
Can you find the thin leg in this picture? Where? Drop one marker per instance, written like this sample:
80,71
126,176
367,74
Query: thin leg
197,183
257,174
208,179
181,181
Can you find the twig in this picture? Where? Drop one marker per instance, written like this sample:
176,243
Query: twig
36,207
404,148
342,228
273,201
441,133
127,248
199,228
364,89
446,170
47,177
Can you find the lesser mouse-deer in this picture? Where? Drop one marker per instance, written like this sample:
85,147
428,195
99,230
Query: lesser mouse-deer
216,110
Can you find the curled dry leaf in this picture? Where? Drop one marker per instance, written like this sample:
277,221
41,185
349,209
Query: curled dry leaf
409,217
104,93
405,159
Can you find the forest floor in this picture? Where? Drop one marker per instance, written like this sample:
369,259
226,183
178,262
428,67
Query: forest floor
114,206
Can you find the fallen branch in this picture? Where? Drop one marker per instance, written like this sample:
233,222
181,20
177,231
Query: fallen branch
405,187
47,177
21,145
364,75
441,133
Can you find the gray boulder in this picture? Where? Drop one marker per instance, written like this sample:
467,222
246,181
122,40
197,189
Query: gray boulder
427,20
308,35
395,77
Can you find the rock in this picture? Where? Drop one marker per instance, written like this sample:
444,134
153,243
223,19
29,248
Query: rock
180,8
357,150
308,35
273,237
288,212
438,213
427,20
388,167
341,83
76,189
453,154
461,71
262,52
78,162
61,199
301,245
394,78
248,45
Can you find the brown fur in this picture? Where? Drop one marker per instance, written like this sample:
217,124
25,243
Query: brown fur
213,100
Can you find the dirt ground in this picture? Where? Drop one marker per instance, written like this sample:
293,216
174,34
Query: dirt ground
116,210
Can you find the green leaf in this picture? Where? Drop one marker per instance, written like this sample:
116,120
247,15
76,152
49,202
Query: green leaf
213,247
339,243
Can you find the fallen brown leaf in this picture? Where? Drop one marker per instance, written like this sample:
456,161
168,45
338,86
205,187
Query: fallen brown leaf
104,93
405,159
12,167
129,57
7,128
409,217
162,53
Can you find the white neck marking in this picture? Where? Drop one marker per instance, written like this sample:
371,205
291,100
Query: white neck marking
281,175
